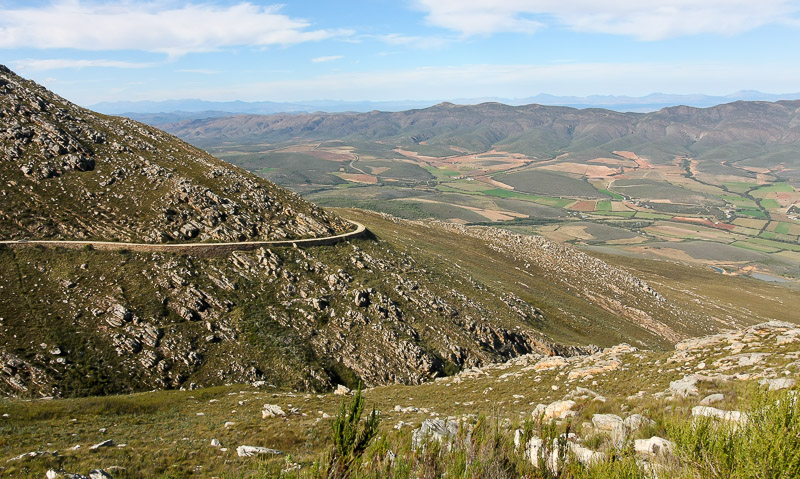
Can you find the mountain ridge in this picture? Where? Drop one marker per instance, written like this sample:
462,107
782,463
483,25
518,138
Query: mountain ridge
196,108
754,133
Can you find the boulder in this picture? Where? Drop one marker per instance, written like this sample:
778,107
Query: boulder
585,455
687,386
272,410
250,451
653,447
440,430
551,362
636,421
778,384
106,443
707,411
555,410
361,298
711,399
341,390
607,422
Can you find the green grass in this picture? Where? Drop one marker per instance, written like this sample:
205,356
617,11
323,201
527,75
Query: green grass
441,174
503,193
544,200
773,188
625,214
615,196
652,216
752,213
739,186
739,201
603,205
766,445
754,247
782,228
776,244
465,185
770,204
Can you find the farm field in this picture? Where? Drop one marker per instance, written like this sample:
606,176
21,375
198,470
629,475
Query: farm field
723,217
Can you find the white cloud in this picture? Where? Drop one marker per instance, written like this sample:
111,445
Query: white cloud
57,64
508,81
152,27
412,40
642,19
329,58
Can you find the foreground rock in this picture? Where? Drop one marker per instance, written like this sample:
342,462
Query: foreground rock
250,451
440,430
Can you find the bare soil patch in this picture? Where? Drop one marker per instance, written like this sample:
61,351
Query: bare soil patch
584,205
359,178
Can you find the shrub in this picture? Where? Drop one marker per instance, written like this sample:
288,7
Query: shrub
766,445
350,437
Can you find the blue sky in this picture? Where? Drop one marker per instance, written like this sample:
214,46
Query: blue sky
379,50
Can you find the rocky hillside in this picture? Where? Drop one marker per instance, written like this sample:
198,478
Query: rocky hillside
69,173
637,412
80,322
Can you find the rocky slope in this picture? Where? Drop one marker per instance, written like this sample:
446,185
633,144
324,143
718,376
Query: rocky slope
84,322
618,404
69,173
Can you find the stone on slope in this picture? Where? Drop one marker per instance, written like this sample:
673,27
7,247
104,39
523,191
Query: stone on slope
636,421
687,386
33,454
106,443
440,430
707,411
612,425
585,455
711,399
556,410
607,422
272,410
654,447
250,451
341,390
778,384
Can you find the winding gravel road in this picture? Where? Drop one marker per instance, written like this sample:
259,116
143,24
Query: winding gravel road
203,249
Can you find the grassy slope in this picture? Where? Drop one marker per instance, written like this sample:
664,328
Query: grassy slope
740,301
165,434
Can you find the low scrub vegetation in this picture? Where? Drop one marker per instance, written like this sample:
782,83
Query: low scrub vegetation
765,444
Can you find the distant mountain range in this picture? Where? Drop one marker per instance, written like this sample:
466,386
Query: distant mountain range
755,133
170,111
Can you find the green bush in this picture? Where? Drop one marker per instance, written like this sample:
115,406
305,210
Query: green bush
350,437
766,445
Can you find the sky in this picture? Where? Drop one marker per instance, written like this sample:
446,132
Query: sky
384,50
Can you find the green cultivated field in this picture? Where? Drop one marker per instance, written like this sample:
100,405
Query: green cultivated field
651,193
